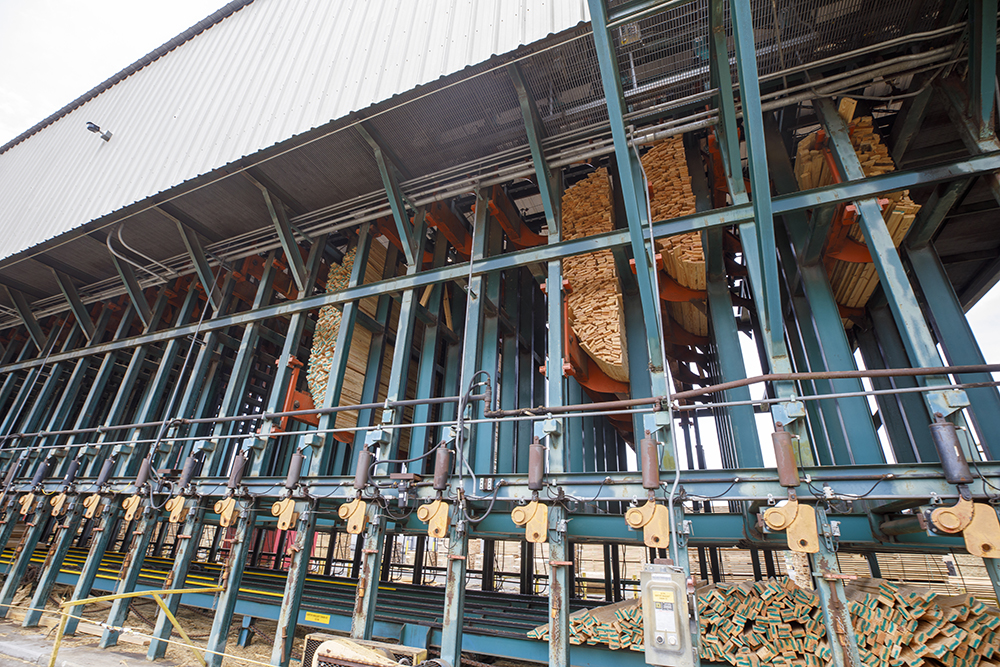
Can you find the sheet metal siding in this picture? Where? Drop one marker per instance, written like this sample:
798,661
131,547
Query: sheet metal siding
272,70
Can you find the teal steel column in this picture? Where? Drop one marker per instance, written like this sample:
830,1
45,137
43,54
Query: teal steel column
485,457
402,355
189,537
753,125
982,64
730,355
65,530
833,598
427,367
109,513
458,532
289,351
288,616
634,196
373,370
959,343
366,597
24,552
323,446
903,302
240,373
232,576
129,574
889,409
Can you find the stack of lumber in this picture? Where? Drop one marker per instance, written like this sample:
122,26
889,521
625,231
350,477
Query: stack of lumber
852,282
594,300
774,622
328,328
670,196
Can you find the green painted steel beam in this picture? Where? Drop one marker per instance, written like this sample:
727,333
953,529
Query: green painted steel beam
79,310
133,289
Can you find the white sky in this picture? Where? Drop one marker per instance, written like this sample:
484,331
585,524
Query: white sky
56,50
53,51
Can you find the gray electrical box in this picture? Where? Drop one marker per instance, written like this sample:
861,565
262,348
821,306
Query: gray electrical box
666,616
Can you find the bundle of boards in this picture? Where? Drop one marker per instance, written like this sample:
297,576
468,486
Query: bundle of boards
595,300
854,282
774,622
328,328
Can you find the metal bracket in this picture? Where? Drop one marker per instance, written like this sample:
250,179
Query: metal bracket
285,511
226,508
26,500
355,513
535,518
435,515
57,502
131,505
798,522
91,503
978,523
654,519
177,506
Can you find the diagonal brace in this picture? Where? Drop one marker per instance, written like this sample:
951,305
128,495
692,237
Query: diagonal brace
68,289
201,266
388,168
30,323
287,238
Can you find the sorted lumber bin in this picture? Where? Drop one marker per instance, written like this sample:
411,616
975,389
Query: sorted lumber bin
774,622
326,332
854,282
594,299
670,196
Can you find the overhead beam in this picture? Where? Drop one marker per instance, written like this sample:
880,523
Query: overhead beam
24,310
732,215
75,303
174,213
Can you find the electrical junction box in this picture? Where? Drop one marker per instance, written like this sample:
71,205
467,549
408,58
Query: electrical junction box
666,616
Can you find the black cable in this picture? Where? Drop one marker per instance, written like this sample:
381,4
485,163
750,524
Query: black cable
489,508
716,497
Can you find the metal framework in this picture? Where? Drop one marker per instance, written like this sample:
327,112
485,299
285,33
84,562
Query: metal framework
158,419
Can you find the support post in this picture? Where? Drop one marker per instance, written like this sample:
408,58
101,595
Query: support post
363,620
232,576
288,615
833,598
23,309
133,289
24,552
189,537
129,574
65,534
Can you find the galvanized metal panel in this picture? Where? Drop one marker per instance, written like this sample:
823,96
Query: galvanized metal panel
270,71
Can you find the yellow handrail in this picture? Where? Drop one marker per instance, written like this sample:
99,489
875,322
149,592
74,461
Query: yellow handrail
135,594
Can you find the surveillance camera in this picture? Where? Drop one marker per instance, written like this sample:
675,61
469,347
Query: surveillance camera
93,127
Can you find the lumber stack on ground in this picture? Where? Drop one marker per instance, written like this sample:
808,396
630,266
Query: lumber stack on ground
774,622
670,196
853,283
328,328
594,300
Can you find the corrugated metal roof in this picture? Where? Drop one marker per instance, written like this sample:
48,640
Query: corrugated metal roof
268,72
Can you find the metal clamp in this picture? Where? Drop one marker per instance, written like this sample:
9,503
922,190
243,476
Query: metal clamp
435,515
355,513
91,503
799,523
226,509
177,506
26,501
978,523
285,511
654,519
58,501
535,518
131,505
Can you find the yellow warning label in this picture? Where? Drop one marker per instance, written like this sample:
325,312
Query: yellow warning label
663,596
323,618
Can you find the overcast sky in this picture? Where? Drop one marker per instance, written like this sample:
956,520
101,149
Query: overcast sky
55,50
